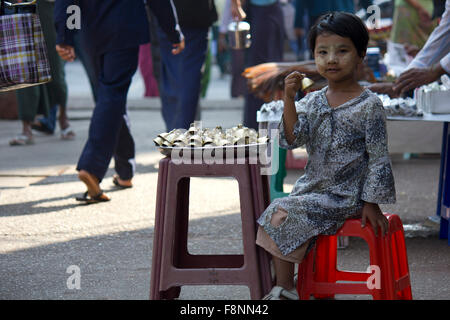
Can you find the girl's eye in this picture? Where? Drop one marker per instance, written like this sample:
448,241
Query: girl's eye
343,50
322,52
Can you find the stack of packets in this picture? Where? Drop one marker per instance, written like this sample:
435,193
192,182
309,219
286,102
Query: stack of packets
434,97
198,137
404,107
270,112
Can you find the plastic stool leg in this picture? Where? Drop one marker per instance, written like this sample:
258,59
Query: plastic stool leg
402,262
260,192
400,258
181,255
326,262
158,230
305,276
387,268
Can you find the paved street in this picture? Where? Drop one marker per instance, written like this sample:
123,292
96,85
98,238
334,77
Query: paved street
44,231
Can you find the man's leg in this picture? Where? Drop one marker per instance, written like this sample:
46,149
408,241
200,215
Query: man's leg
117,70
193,57
169,80
124,154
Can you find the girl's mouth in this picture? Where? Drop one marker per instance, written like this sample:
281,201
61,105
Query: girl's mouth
332,70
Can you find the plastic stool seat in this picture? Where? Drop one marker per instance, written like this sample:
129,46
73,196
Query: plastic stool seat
318,273
173,266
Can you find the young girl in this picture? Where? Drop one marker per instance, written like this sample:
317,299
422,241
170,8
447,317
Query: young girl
349,171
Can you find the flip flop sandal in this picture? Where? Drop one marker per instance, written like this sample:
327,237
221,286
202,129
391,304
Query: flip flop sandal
118,185
67,134
277,293
86,198
21,140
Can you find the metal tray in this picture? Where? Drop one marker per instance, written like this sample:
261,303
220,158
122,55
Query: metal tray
236,151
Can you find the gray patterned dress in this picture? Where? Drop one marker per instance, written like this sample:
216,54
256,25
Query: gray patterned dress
348,163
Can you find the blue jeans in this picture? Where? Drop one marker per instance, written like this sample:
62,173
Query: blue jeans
181,76
49,122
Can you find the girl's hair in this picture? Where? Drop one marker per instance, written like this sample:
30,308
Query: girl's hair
343,24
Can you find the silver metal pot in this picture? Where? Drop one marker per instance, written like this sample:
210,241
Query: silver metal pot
239,35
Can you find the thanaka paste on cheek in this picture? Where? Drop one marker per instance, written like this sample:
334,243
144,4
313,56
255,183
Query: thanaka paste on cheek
333,44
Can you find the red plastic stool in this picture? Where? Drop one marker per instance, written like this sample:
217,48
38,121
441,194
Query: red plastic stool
173,266
318,273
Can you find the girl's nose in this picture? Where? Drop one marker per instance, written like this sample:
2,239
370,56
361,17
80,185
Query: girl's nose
332,58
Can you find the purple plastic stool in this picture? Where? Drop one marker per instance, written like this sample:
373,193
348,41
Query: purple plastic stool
173,266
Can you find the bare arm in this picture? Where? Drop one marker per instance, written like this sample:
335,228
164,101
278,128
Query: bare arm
424,16
417,77
292,84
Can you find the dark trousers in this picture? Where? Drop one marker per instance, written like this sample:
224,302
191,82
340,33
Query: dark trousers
181,77
267,32
109,131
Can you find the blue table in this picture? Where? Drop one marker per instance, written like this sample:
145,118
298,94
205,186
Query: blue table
443,196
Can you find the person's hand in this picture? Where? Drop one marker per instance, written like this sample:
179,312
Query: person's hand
66,52
178,47
292,83
384,88
372,212
411,49
417,77
237,12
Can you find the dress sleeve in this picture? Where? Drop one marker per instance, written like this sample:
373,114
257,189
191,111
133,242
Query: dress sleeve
437,47
379,184
301,127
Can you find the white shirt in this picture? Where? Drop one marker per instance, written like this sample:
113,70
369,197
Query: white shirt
437,47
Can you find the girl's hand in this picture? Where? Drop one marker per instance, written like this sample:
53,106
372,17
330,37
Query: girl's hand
377,219
292,83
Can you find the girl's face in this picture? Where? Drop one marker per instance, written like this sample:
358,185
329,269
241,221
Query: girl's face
336,57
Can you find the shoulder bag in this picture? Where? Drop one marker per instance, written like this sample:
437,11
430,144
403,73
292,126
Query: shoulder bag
23,53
